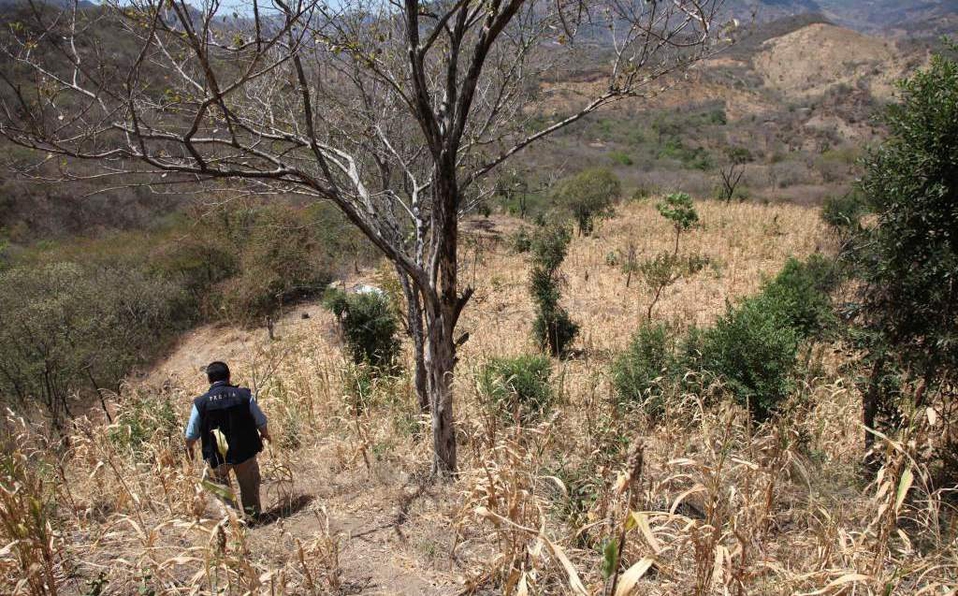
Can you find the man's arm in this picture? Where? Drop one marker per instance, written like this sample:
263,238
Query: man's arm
260,419
192,430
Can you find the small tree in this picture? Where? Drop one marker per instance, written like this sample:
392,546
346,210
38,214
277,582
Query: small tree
588,195
909,259
678,209
733,171
552,327
664,269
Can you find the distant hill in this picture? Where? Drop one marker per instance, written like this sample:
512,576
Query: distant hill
923,18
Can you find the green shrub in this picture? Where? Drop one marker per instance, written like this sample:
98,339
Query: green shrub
80,329
843,213
558,329
588,195
642,373
753,351
696,158
197,265
369,325
620,158
641,193
142,419
798,295
518,385
521,241
552,327
908,260
278,266
717,116
753,347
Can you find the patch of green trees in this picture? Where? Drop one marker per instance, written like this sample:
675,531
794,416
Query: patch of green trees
77,317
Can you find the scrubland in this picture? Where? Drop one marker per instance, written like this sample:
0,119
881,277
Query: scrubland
698,502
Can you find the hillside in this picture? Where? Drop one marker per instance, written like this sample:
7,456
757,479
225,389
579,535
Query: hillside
926,18
811,60
350,513
803,120
800,96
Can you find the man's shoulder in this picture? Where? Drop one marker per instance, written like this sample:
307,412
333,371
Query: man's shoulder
220,392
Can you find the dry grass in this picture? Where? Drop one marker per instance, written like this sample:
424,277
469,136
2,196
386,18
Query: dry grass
699,504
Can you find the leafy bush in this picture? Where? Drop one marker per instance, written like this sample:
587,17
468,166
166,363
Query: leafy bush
589,195
141,420
369,325
753,351
68,328
277,266
197,265
620,158
641,374
909,259
843,213
518,385
521,241
696,158
641,193
798,295
753,347
552,327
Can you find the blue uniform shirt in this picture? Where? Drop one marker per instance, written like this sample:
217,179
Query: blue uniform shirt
193,426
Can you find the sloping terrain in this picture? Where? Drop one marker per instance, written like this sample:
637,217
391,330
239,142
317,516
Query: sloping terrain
812,60
925,18
349,507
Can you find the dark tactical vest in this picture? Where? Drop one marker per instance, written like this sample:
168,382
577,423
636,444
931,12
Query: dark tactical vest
226,408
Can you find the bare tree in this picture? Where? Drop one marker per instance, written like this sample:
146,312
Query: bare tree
731,177
389,109
733,171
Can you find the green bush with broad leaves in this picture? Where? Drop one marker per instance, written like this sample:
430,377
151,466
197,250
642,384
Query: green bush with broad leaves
751,350
753,347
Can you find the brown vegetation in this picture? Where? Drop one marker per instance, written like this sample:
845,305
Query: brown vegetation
698,503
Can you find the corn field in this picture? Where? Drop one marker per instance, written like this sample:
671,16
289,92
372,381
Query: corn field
589,500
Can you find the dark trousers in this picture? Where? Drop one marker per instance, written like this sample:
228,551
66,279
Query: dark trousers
247,476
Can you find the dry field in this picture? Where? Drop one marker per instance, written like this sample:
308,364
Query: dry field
710,504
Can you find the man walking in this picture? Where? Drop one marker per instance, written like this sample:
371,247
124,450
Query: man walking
231,426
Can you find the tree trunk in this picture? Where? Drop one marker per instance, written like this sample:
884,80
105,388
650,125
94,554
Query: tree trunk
440,360
416,333
442,308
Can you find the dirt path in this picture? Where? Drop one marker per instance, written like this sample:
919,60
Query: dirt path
387,527
389,540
